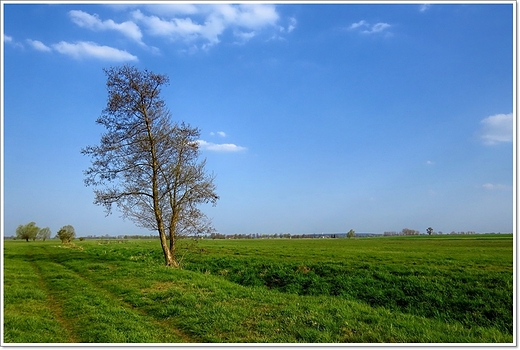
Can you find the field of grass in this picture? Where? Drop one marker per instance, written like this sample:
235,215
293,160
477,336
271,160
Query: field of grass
451,289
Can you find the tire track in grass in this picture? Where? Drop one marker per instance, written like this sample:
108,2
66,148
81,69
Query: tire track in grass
166,326
162,328
52,303
94,316
29,316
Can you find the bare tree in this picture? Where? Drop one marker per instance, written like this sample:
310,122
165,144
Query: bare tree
147,165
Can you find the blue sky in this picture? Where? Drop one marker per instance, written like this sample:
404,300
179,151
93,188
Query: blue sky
314,117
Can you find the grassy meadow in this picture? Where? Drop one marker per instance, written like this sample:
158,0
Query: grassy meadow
439,289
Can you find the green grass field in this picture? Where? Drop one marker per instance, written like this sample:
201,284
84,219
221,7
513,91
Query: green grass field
443,289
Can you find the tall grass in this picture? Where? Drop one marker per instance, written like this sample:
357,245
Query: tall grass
283,291
30,314
467,280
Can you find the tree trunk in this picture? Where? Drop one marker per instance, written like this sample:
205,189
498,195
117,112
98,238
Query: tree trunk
173,243
173,254
169,258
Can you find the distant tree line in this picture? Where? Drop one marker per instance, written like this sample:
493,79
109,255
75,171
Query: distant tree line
31,232
216,235
407,232
122,237
429,231
349,234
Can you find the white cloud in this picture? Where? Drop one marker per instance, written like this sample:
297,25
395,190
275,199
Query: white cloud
11,41
494,187
244,36
290,27
359,24
497,129
429,162
378,27
93,22
219,133
82,49
177,28
38,45
173,9
254,16
206,23
222,147
292,24
424,7
369,29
